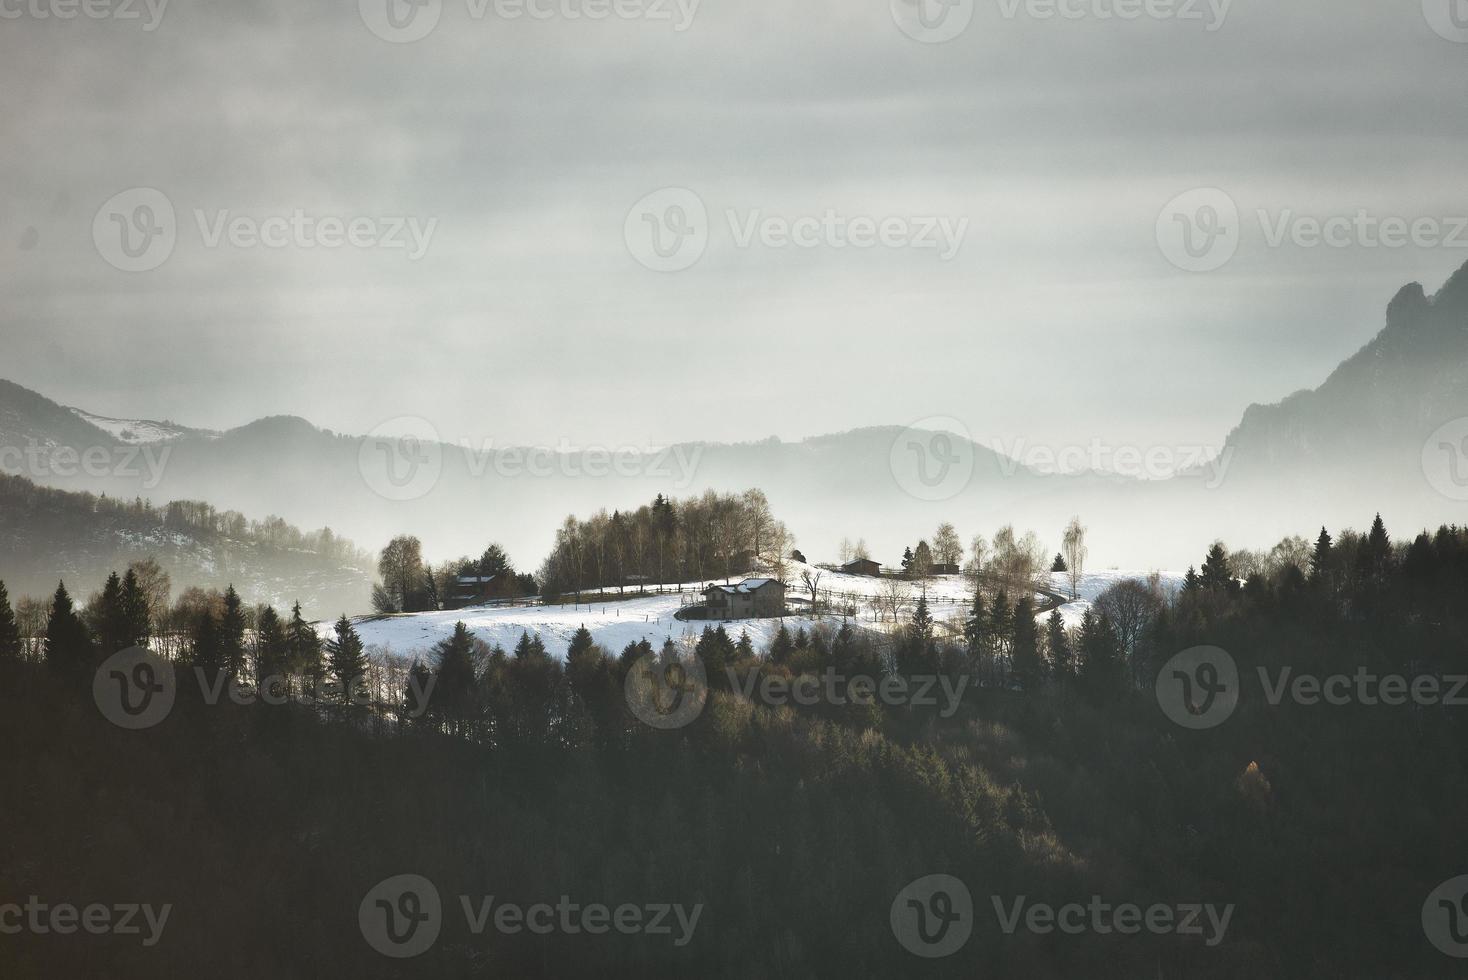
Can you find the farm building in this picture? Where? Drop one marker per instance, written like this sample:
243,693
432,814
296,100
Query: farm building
862,566
754,598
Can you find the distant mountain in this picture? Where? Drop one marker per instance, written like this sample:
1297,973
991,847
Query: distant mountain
48,534
1379,406
1336,455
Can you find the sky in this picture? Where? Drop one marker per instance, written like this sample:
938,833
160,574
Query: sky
634,222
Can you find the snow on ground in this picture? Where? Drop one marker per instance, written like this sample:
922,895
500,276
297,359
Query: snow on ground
1092,584
614,624
132,432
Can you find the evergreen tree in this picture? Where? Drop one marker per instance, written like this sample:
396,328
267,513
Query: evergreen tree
454,659
9,630
1320,557
976,627
1216,576
1191,582
918,654
205,649
1001,623
68,644
272,648
744,649
303,647
346,658
1101,655
716,650
1058,565
1062,659
529,647
781,647
1028,666
138,628
232,634
111,618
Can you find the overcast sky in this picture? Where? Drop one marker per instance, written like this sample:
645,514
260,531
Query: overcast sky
1053,144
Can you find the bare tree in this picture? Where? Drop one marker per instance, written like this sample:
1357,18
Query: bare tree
811,579
978,552
1131,605
846,552
860,550
1073,545
894,596
947,548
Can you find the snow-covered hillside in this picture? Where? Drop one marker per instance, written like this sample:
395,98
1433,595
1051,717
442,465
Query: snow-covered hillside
134,432
615,624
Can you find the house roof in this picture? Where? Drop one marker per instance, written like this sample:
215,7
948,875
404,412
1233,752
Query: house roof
748,585
476,579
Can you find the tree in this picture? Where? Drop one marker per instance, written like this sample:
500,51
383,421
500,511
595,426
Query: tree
918,655
454,662
1100,655
1058,565
232,626
976,628
1073,546
1062,658
68,645
346,659
303,646
1216,575
400,566
9,629
1130,606
947,548
781,646
110,620
1320,558
922,561
272,649
1025,652
811,579
136,610
155,586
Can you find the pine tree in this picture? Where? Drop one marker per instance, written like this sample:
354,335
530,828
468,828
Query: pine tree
1216,576
9,631
347,660
1320,557
68,643
232,634
976,627
781,647
205,649
454,659
138,628
1028,666
1062,659
1058,565
272,648
303,647
1101,659
744,649
1001,623
111,618
1191,582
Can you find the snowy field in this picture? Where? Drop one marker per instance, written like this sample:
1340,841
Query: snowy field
614,624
